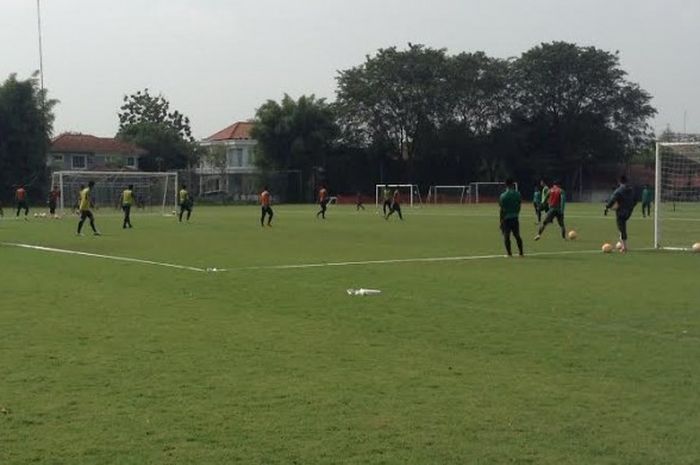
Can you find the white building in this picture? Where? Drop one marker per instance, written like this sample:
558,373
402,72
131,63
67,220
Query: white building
239,179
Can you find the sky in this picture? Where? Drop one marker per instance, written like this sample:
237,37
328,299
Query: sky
216,61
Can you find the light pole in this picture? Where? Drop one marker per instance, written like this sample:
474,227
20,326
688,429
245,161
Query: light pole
41,51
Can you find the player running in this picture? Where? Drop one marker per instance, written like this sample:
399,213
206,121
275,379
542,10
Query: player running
84,207
185,201
127,201
556,201
623,202
395,205
21,199
544,206
54,197
386,193
509,203
358,202
265,201
537,203
322,202
646,201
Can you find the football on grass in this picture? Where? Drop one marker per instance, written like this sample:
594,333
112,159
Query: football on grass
573,234
607,248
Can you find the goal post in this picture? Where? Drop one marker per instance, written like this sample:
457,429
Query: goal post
487,192
412,190
153,192
448,194
677,195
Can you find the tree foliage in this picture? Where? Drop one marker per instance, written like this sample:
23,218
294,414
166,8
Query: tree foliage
26,125
294,134
148,121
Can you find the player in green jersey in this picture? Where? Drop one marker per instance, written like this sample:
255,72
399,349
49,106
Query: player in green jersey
537,204
509,203
647,197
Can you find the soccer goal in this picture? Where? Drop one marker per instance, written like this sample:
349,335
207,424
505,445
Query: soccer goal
487,192
677,195
153,192
441,195
408,192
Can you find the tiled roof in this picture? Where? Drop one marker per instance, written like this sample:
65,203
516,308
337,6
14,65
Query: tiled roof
85,143
237,131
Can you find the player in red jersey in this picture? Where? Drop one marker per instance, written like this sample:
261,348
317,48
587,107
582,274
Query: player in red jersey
265,202
21,199
322,202
556,201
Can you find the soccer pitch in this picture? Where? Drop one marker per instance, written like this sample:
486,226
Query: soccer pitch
568,356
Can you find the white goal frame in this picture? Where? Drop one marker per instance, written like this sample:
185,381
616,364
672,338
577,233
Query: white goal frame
58,177
474,188
658,186
465,193
413,189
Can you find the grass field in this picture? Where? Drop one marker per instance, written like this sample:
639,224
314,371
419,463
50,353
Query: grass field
567,356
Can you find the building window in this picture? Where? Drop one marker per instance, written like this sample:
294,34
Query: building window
131,162
78,162
58,158
239,157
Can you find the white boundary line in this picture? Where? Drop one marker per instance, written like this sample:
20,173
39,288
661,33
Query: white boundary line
299,265
107,257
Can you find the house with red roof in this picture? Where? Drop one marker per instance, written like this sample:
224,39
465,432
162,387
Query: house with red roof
239,177
77,152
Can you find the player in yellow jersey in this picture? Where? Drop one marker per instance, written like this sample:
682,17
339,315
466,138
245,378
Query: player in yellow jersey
127,202
84,207
265,202
185,201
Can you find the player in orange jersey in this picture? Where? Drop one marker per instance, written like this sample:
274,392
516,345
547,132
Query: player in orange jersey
322,202
265,201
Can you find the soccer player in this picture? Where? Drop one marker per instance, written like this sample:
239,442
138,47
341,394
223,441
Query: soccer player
386,192
556,201
127,202
185,202
509,204
84,207
537,203
646,201
544,206
265,200
54,196
21,199
623,197
395,205
322,201
358,202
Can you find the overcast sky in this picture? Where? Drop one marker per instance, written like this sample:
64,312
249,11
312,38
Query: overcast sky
218,60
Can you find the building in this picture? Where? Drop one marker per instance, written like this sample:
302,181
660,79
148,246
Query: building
234,175
76,152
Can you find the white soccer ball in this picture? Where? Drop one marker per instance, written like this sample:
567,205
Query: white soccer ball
573,235
618,246
696,247
607,248
36,215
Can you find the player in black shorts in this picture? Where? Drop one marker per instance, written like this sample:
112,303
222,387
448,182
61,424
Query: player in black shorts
625,200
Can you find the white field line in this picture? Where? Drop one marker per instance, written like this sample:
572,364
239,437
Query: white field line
106,257
409,260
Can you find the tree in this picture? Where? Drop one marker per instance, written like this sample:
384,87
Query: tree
148,122
294,134
577,108
26,125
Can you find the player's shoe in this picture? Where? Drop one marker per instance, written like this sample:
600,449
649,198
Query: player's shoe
97,233
538,237
80,234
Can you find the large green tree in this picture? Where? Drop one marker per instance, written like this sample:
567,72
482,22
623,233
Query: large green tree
147,120
294,134
576,109
26,125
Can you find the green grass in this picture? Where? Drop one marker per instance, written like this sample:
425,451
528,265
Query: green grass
553,359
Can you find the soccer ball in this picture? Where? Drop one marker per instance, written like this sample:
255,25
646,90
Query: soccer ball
607,248
696,247
573,235
618,246
36,215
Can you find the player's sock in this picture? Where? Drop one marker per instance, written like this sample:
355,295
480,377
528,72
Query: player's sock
506,241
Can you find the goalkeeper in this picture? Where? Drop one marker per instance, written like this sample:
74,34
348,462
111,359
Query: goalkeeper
623,201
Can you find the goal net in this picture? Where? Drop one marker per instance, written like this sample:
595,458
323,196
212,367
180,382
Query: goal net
442,195
153,192
677,195
410,194
487,192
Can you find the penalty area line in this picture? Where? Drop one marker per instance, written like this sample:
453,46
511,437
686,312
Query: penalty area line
407,260
105,257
